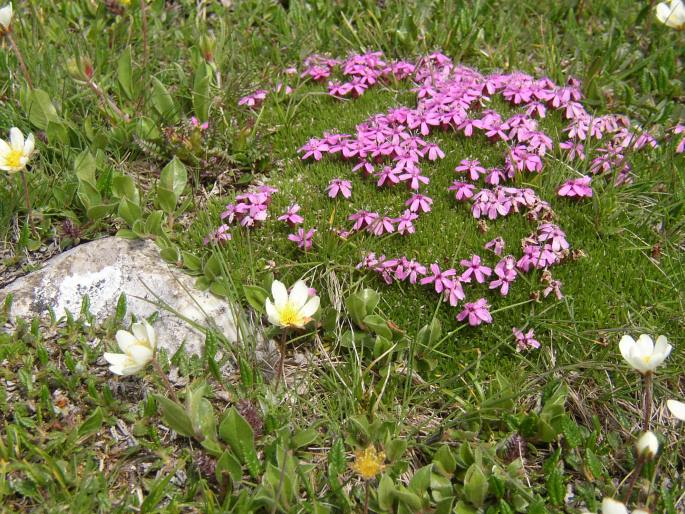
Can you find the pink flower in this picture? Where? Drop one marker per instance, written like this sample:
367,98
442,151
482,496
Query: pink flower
496,246
680,129
314,148
303,239
291,216
454,292
551,233
387,176
577,187
474,268
525,341
575,150
362,219
220,235
473,168
254,99
554,286
440,279
196,123
410,269
381,225
506,273
419,203
477,312
462,190
339,186
414,177
405,223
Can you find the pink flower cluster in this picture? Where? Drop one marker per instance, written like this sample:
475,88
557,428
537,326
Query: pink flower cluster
547,247
248,210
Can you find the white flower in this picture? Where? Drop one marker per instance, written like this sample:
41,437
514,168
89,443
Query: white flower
6,16
647,444
611,506
642,354
15,154
138,347
671,15
640,511
291,310
677,409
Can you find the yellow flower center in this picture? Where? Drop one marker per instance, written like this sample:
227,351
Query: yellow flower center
368,463
13,158
289,316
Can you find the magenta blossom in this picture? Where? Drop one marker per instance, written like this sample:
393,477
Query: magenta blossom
440,279
303,239
462,190
472,168
405,223
496,246
381,225
291,216
409,269
525,341
196,124
362,219
577,187
339,186
553,286
419,202
474,268
477,312
220,235
454,292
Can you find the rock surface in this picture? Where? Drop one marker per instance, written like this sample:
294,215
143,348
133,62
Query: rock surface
106,268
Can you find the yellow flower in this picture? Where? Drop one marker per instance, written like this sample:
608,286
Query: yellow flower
125,3
291,310
15,154
368,463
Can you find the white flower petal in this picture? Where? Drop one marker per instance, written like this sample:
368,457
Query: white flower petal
310,308
611,506
662,347
140,354
4,148
130,370
272,313
16,139
626,344
29,145
139,331
643,346
677,409
6,16
116,359
125,340
299,295
280,293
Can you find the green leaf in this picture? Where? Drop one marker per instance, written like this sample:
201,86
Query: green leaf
163,102
420,482
336,458
378,325
175,416
395,448
303,438
386,488
57,133
129,211
125,73
92,424
476,485
237,433
40,109
444,460
124,186
430,334
174,177
556,488
169,254
167,200
200,93
191,262
228,464
153,224
256,296
97,212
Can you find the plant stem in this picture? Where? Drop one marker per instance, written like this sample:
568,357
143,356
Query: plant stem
165,380
281,360
633,478
107,101
20,58
647,401
366,499
27,201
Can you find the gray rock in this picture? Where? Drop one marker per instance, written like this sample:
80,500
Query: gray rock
104,269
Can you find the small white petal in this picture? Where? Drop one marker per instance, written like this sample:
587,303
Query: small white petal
625,345
125,340
4,148
299,295
116,359
29,145
272,313
6,16
677,409
140,354
310,307
16,139
644,346
280,293
611,506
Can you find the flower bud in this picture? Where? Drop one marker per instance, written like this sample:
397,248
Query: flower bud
611,506
647,445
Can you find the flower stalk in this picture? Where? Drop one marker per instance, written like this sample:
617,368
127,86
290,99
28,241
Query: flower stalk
20,57
647,379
